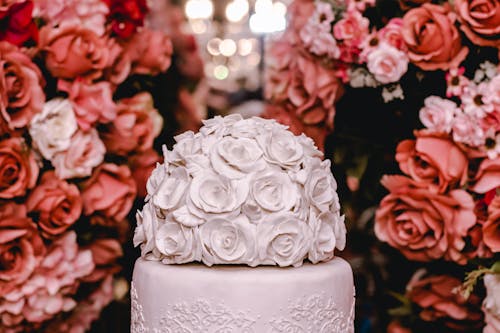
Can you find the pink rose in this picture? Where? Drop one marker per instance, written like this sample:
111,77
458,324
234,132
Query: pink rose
86,151
300,12
387,63
119,63
439,300
110,192
480,21
21,88
133,129
437,114
105,252
73,51
494,92
424,225
142,165
352,28
21,247
491,228
90,14
150,52
18,168
488,176
432,39
189,61
92,103
467,129
434,160
391,34
55,204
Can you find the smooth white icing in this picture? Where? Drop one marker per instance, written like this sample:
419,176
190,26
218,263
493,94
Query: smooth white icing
241,191
194,298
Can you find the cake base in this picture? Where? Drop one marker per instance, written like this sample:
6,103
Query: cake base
194,298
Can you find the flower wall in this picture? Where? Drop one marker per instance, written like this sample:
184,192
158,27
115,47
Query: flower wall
403,97
78,123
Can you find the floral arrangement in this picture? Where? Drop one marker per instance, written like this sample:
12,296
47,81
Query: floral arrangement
420,78
73,153
241,192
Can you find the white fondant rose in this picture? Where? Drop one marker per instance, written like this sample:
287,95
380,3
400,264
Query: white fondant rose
155,180
274,191
247,128
320,188
328,233
186,218
219,125
283,239
253,211
144,235
178,244
282,148
188,144
228,241
235,158
212,193
53,128
172,188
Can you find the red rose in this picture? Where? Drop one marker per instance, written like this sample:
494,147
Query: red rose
488,176
110,192
433,159
433,40
17,23
142,165
21,88
480,20
422,224
396,327
21,247
440,301
18,168
56,204
126,16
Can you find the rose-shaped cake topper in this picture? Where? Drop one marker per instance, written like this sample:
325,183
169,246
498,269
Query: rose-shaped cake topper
241,191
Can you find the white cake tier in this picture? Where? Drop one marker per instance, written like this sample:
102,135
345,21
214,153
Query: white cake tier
193,298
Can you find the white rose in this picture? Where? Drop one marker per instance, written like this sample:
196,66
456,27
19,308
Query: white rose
309,147
387,63
52,129
188,144
219,125
274,191
212,193
144,234
491,304
320,188
235,158
228,241
178,244
155,180
85,152
283,239
172,188
246,128
329,232
282,148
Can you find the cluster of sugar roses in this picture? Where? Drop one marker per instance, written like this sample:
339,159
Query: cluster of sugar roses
241,192
447,206
69,153
329,43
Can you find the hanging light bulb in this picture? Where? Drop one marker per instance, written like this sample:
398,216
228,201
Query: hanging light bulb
199,9
236,10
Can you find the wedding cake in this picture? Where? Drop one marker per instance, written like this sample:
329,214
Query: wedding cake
238,194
